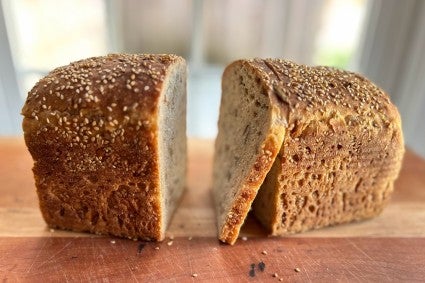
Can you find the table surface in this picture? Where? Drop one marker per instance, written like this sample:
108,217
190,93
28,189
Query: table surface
390,247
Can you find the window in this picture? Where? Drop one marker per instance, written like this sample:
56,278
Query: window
45,34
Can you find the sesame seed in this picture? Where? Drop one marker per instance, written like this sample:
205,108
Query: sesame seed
170,243
194,275
264,252
146,87
297,269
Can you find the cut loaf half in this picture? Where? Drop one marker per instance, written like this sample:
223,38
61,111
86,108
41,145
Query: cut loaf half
342,148
108,139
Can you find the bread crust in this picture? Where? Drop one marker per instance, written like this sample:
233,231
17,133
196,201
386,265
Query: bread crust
341,154
91,128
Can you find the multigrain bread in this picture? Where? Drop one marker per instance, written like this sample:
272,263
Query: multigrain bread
108,139
341,152
251,131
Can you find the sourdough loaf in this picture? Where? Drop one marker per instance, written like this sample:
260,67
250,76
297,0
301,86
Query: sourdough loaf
341,152
108,139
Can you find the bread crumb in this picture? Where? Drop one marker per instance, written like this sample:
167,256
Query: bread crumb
194,275
52,230
275,275
190,238
170,243
261,266
112,241
171,237
280,279
244,238
156,248
264,252
297,269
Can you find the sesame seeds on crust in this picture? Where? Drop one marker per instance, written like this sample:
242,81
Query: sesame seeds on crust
94,101
316,89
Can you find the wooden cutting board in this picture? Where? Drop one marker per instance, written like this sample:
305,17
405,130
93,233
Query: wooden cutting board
390,247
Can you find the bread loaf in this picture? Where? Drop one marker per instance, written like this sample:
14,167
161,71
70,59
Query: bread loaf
108,139
341,152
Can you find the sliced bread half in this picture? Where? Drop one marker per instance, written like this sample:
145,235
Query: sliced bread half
108,139
339,139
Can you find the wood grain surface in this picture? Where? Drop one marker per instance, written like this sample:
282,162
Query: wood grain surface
388,248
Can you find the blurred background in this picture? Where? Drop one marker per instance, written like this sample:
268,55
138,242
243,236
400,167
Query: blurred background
382,39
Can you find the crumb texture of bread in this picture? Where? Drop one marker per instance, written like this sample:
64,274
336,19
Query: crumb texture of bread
102,133
251,130
341,154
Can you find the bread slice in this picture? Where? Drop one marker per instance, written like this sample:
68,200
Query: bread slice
108,139
250,132
341,147
341,154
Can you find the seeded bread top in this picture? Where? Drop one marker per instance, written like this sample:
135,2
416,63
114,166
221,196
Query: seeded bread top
92,100
308,89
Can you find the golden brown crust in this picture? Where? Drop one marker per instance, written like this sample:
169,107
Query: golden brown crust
342,152
91,128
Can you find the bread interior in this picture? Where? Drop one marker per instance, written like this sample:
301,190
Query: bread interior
172,140
244,119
